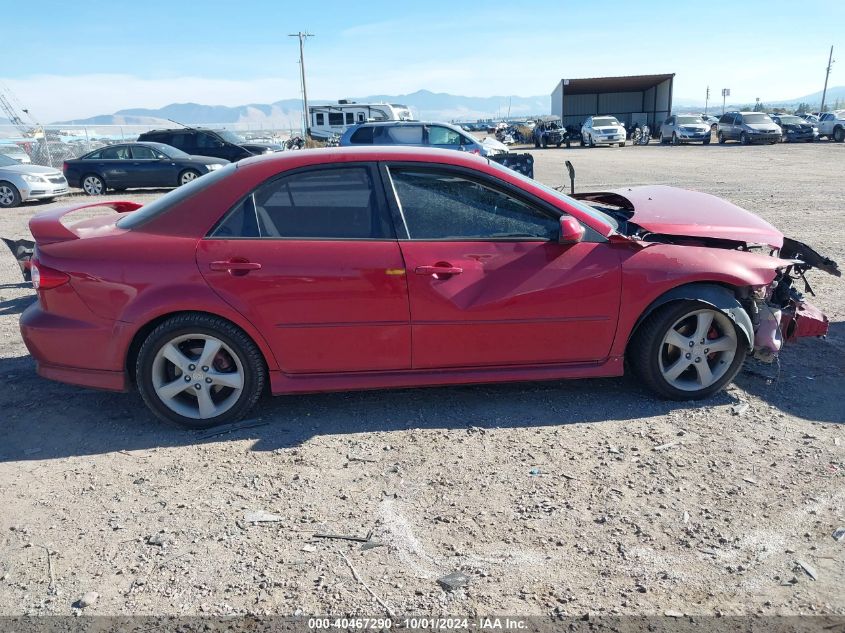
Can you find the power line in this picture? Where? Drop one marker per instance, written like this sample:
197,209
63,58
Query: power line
302,37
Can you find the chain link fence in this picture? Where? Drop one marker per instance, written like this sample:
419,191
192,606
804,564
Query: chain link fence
58,143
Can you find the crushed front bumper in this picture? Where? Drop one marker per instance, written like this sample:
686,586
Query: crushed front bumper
803,319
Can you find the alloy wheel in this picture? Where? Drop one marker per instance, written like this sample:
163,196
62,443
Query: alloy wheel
7,196
93,186
697,350
187,177
197,376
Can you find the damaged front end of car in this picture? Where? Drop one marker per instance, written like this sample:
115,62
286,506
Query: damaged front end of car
778,310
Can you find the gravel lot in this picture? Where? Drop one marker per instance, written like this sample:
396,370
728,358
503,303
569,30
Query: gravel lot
555,498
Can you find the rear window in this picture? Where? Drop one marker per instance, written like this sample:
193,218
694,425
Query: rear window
169,200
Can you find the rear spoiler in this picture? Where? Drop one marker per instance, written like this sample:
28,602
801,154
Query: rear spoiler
47,227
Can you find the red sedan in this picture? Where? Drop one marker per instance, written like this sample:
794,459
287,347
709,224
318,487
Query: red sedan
365,268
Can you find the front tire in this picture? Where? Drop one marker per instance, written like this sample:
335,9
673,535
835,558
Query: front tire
93,185
743,139
687,350
721,138
9,195
199,371
189,175
675,140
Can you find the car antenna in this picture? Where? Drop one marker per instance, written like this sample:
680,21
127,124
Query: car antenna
571,171
182,124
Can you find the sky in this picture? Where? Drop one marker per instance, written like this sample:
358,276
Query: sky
79,59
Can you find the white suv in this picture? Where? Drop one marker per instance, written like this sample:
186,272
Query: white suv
602,130
832,125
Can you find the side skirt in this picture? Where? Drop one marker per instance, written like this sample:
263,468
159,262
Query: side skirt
281,383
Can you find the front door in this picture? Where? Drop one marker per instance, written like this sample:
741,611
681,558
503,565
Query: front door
489,283
151,169
310,258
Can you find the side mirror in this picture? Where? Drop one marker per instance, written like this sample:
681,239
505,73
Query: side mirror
571,231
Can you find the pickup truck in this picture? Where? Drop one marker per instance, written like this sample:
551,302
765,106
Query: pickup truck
832,125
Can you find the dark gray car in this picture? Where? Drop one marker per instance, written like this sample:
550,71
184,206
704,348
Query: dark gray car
748,127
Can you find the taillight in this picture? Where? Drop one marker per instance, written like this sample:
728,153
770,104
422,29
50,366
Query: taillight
44,277
64,166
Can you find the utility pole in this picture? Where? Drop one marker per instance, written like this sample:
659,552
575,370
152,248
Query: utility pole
706,99
302,36
826,75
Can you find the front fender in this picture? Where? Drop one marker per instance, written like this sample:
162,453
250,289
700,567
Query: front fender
714,295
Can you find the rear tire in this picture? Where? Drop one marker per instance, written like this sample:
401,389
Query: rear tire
744,140
9,195
667,355
177,385
93,185
839,134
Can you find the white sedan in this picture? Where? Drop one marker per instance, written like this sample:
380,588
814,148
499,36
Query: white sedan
602,130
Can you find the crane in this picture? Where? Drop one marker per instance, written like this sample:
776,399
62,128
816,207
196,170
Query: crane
9,105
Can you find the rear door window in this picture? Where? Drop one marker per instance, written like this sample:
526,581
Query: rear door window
322,204
362,136
121,152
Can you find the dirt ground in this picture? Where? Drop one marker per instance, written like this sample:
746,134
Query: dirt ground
556,498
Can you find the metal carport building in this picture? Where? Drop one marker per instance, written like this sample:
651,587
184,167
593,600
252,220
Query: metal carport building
632,99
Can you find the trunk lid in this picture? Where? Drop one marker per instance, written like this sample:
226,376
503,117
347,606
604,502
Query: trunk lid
47,227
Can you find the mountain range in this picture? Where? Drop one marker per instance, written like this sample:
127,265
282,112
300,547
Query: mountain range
426,105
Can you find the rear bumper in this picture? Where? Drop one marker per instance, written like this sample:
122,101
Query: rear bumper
94,378
89,353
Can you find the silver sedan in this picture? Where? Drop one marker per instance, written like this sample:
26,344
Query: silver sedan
19,183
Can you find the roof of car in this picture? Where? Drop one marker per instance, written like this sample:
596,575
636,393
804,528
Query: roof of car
407,122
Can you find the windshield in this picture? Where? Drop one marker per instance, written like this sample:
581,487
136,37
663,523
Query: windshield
231,137
175,196
684,120
758,117
605,120
592,212
5,161
791,120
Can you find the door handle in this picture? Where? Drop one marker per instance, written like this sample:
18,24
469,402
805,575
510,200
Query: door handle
438,269
235,267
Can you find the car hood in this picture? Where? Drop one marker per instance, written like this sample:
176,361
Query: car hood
673,211
31,169
491,143
763,127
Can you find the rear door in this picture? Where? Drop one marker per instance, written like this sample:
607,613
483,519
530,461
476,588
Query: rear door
489,283
310,258
114,166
